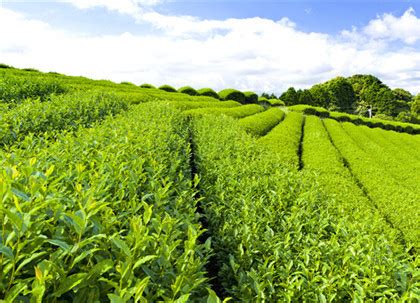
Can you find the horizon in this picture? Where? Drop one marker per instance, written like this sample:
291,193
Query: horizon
248,46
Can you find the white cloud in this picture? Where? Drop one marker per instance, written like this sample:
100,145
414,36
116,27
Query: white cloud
129,7
405,28
389,28
249,54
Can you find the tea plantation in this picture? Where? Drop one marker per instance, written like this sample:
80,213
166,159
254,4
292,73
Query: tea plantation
123,193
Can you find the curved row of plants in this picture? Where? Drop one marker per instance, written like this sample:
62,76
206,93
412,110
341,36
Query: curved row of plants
106,214
358,120
277,237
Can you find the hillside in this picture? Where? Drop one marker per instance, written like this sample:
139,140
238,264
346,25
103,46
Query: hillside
119,193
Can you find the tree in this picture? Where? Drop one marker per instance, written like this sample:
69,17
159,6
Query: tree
415,106
342,96
290,97
305,97
269,96
369,90
403,95
320,96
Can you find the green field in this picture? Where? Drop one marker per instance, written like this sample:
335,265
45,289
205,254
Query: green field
119,193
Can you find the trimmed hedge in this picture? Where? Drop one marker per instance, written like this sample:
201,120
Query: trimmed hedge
188,90
208,92
232,94
235,112
358,120
187,105
127,83
276,102
147,85
167,88
31,70
251,97
261,123
310,110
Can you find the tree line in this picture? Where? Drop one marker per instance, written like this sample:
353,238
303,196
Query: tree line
356,94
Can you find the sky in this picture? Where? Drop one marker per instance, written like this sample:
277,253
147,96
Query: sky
263,46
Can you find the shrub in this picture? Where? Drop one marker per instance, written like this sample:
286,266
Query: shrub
147,85
127,83
262,99
208,92
4,66
261,123
167,88
232,94
276,102
30,70
188,90
250,97
311,110
340,117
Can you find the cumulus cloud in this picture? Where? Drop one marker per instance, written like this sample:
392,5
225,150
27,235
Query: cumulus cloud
405,28
249,54
387,28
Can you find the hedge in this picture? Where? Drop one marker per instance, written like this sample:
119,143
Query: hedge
358,120
188,90
232,94
251,97
147,85
208,92
167,88
276,102
310,110
2,65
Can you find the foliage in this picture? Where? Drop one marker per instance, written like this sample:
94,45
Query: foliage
337,179
232,94
16,89
107,214
236,112
269,96
175,200
310,110
358,120
403,95
127,83
389,192
290,97
208,92
320,95
251,97
65,112
187,105
415,108
167,88
369,89
278,238
188,90
147,85
342,97
286,134
260,124
276,102
304,97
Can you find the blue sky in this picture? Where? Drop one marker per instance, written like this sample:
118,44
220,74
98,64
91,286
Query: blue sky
258,45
